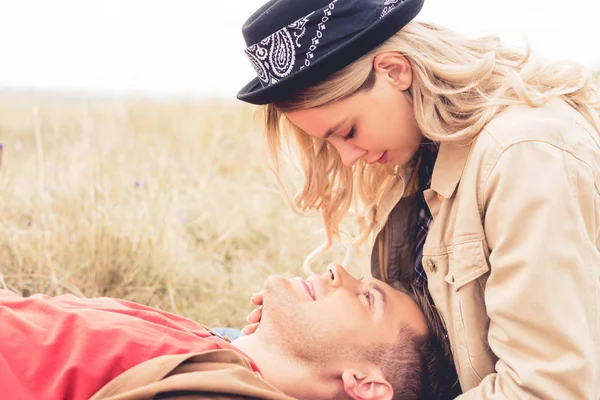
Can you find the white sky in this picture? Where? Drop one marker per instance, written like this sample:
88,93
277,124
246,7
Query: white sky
195,47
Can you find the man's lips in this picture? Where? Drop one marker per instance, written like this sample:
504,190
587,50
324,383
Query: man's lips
308,286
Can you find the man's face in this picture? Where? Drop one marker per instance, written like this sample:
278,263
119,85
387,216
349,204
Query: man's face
330,318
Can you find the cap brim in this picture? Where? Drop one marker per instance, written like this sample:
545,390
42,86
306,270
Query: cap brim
251,87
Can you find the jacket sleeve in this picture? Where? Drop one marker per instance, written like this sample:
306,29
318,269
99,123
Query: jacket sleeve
541,223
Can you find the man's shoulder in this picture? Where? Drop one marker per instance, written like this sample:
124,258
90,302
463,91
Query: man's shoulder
223,374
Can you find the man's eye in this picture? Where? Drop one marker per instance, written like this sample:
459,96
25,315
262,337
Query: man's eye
369,298
350,134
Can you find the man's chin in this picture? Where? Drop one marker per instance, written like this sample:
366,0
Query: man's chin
276,287
281,303
274,281
279,289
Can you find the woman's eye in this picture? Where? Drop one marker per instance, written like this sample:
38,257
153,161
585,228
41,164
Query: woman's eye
350,134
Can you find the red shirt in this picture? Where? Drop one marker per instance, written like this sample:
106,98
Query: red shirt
68,348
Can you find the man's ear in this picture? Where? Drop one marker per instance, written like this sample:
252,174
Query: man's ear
361,386
396,68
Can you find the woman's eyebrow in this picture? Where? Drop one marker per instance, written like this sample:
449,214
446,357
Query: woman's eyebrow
334,128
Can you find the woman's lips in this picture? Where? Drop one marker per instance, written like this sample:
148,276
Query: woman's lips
384,158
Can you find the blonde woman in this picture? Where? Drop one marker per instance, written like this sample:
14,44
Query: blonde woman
473,168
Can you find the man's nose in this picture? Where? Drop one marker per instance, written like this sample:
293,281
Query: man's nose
337,276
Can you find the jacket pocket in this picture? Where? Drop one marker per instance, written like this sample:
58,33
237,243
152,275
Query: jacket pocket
467,274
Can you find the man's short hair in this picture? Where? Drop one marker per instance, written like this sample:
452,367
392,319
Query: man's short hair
418,366
403,364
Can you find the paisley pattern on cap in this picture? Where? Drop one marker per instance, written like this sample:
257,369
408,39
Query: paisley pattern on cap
389,5
275,56
289,49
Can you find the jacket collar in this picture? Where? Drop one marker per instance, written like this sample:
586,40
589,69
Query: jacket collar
449,166
447,171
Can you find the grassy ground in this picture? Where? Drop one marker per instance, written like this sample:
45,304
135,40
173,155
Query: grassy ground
167,203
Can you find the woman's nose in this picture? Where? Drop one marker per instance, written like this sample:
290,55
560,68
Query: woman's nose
350,154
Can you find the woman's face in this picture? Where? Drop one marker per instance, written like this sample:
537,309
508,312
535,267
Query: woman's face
375,125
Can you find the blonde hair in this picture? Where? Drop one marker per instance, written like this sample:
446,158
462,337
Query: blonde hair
459,85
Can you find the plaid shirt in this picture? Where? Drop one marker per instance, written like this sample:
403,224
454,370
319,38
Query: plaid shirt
428,156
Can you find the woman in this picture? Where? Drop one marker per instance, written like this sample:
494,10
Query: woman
475,169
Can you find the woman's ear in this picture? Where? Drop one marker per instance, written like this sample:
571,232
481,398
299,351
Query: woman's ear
395,67
372,386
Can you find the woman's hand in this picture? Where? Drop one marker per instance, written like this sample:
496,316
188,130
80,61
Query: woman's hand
256,314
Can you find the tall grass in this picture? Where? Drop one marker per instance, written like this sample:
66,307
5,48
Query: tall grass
167,203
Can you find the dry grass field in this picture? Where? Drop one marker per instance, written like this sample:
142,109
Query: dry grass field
167,203
164,202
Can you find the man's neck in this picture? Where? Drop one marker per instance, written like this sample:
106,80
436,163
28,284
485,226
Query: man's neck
289,376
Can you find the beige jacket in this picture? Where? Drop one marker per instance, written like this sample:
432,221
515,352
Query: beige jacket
513,255
216,375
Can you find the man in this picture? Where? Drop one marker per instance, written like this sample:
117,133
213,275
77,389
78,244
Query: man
327,337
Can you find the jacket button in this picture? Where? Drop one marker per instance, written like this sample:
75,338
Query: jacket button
430,265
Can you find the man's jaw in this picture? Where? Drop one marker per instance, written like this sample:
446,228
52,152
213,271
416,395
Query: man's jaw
291,376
